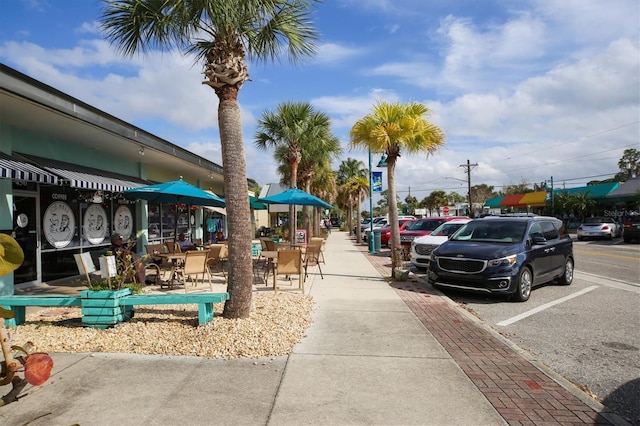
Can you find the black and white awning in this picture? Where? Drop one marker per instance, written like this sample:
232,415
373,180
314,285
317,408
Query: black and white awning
10,168
82,177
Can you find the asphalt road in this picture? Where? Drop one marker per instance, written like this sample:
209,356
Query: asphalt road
587,332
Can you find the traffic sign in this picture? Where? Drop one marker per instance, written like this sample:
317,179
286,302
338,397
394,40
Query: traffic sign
445,210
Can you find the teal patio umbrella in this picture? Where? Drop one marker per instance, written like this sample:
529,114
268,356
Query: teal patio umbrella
177,191
174,192
297,197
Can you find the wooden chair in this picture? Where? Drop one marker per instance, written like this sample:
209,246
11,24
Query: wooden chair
312,258
195,263
289,262
215,258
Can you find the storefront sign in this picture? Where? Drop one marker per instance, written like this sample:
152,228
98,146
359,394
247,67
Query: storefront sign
59,224
95,224
123,222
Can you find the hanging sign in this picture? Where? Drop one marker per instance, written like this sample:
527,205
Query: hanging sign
376,182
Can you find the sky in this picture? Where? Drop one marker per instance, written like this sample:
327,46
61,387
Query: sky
525,90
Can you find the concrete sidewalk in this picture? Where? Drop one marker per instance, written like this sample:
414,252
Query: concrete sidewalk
378,353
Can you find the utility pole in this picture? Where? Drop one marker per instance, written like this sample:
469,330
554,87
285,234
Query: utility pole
468,167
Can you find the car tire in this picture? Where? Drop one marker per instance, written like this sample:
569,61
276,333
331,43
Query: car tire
610,237
567,273
580,238
525,283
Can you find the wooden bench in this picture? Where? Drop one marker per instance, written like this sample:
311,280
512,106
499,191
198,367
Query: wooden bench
205,302
18,304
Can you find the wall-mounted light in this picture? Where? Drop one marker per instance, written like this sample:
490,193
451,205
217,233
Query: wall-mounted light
141,150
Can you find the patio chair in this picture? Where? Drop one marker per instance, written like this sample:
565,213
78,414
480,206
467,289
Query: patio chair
322,242
289,262
312,258
195,263
215,258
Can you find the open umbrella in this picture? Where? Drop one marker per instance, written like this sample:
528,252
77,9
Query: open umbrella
175,192
297,197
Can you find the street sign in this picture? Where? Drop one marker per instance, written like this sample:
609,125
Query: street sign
445,210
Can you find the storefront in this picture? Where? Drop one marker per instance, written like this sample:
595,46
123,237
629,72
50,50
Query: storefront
63,167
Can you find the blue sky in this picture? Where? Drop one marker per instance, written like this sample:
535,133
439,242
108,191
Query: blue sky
526,89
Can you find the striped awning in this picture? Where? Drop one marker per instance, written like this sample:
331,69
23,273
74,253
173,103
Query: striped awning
511,200
10,168
94,182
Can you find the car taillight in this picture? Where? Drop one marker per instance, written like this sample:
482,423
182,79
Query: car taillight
605,228
627,224
580,228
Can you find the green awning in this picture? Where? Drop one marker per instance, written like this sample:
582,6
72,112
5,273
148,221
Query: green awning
493,203
600,190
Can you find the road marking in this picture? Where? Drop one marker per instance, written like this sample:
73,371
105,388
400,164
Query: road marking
545,306
597,253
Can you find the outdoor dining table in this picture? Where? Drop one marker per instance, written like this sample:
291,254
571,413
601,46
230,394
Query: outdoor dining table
175,259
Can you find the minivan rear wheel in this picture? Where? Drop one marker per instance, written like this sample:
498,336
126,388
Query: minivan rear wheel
525,283
567,276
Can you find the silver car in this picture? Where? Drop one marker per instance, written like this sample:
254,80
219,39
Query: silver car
599,227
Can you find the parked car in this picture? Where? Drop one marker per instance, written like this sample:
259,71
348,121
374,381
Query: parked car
376,225
385,231
335,222
422,247
631,229
364,226
504,255
422,227
599,227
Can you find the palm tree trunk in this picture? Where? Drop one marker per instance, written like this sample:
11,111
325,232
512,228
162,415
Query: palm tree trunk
240,274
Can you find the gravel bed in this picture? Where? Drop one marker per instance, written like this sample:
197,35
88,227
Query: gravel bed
277,322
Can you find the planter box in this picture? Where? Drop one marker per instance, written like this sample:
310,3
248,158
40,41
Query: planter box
102,309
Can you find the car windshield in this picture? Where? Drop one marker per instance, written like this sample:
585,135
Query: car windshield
423,225
491,231
446,229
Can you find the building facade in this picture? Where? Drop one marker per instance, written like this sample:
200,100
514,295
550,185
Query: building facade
63,166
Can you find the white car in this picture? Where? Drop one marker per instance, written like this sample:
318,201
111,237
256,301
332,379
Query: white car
599,227
422,247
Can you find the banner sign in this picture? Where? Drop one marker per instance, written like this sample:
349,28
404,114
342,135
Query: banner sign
376,182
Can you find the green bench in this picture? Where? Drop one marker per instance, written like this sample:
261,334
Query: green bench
19,303
205,301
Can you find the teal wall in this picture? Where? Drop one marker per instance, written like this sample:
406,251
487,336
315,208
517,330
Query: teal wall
29,142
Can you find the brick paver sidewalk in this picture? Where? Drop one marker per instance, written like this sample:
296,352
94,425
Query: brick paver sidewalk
520,391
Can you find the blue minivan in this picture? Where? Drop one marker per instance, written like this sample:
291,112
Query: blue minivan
507,254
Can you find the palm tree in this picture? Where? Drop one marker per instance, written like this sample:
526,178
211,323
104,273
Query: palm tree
349,169
288,130
391,129
222,34
323,186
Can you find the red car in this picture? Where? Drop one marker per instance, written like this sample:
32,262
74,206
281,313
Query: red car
422,227
385,231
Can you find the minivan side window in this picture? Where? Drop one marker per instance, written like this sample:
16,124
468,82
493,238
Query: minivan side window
535,231
549,231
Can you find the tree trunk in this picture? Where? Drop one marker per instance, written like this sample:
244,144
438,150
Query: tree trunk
240,270
393,214
306,211
293,183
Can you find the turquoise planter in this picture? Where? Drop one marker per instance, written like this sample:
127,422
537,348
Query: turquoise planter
102,309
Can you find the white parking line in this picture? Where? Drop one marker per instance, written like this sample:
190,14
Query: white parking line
545,306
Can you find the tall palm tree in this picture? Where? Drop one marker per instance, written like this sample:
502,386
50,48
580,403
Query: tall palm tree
347,170
291,128
391,129
222,34
323,186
